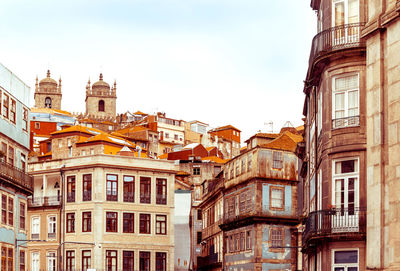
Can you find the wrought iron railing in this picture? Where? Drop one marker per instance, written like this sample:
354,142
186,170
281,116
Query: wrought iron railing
87,195
51,235
129,197
71,196
16,175
112,197
336,38
44,201
145,198
346,122
161,199
335,221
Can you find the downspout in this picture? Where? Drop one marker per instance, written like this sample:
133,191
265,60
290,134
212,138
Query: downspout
61,232
315,105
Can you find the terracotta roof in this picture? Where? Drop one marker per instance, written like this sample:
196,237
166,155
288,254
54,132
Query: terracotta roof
214,159
140,113
50,111
132,129
210,148
264,135
46,154
78,128
226,127
286,142
300,128
163,156
243,148
184,173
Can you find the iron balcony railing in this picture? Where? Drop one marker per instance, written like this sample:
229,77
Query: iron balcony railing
71,196
161,199
145,198
87,195
336,38
331,222
129,197
44,201
346,122
16,175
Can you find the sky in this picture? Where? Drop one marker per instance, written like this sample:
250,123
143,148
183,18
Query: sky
238,62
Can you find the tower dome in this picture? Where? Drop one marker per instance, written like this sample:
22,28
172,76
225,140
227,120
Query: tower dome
101,84
48,80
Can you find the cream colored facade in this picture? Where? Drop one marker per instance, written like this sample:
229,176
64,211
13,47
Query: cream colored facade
382,36
97,242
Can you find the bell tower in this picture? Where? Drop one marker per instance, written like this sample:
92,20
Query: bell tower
101,99
48,93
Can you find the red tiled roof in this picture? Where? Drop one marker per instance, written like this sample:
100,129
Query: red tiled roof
226,127
286,142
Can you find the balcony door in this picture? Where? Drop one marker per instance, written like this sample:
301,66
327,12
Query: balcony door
345,195
345,13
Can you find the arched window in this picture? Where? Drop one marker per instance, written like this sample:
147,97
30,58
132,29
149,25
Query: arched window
47,102
101,106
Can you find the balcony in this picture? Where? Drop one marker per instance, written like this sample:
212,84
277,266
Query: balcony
129,197
87,195
336,222
161,199
71,196
336,38
145,198
207,262
44,201
16,176
346,122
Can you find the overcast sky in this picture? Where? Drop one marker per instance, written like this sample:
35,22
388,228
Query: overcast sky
239,62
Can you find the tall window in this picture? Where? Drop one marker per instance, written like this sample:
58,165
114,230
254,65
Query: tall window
199,237
71,189
128,260
128,223
52,224
144,223
161,261
21,260
22,216
144,261
145,189
10,211
4,259
87,187
25,119
161,188
161,224
86,259
4,150
346,260
4,209
12,111
51,261
23,162
70,260
111,221
345,181
70,222
276,237
112,187
111,260
345,12
35,232
249,161
10,259
47,102
129,189
101,106
5,105
86,221
345,101
11,155
35,261
277,157
277,197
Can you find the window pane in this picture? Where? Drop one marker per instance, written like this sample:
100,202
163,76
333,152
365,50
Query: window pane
339,13
350,256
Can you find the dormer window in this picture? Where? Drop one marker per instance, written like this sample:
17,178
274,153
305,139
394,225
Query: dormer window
101,106
47,102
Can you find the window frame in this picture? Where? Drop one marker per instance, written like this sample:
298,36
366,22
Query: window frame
70,225
128,189
22,216
161,225
50,258
87,221
277,159
22,258
86,260
13,110
6,105
144,260
161,191
71,188
128,260
161,261
144,223
282,190
145,186
70,260
111,188
10,210
25,119
128,223
345,265
4,209
279,248
51,227
111,222
111,259
87,187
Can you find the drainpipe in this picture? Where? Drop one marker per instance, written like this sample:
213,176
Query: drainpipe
61,232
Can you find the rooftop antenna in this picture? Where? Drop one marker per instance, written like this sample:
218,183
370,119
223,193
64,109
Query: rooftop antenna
269,126
288,124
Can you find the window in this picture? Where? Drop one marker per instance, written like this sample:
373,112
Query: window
128,223
276,238
344,12
277,198
3,258
248,240
37,126
111,260
47,102
345,260
242,241
161,224
196,170
10,211
86,259
87,187
176,137
22,216
161,261
12,111
25,119
144,261
4,151
35,228
345,197
128,261
249,160
23,162
21,260
166,135
345,101
161,189
10,258
51,261
35,261
70,222
70,260
145,189
129,189
199,214
86,221
144,223
4,209
71,189
52,223
199,237
101,106
5,105
111,221
277,160
237,170
112,187
319,112
11,155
